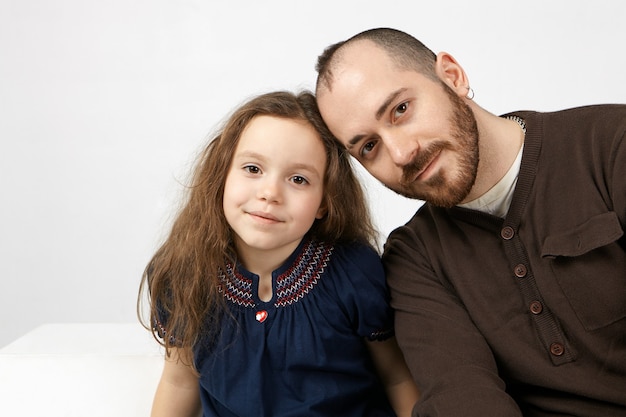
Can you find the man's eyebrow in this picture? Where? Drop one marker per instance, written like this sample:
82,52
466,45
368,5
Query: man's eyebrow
386,103
379,113
356,139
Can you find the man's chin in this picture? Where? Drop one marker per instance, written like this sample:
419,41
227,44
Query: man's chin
437,199
408,193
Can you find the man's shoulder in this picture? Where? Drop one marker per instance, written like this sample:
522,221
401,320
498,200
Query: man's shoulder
420,225
580,114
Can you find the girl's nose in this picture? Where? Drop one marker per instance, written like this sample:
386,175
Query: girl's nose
269,190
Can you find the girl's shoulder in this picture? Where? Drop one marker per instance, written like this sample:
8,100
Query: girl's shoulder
357,253
354,264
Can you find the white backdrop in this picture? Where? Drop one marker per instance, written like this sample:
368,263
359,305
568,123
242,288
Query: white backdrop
104,104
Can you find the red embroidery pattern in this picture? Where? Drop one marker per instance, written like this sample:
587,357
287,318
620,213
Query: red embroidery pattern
291,286
237,288
298,280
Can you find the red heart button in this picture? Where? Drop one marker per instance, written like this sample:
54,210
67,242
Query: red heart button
261,316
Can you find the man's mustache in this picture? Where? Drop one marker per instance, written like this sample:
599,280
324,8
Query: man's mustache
421,161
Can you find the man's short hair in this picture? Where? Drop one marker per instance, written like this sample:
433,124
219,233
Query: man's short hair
406,52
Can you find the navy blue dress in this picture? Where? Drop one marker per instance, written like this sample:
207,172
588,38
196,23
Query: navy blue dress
302,353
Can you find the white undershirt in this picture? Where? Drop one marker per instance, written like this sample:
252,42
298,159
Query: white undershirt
497,200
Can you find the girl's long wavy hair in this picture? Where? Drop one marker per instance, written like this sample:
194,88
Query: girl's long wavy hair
183,277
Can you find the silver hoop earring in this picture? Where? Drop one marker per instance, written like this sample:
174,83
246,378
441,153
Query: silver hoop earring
470,93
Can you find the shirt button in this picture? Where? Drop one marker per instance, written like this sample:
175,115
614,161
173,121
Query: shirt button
520,271
557,349
536,307
507,233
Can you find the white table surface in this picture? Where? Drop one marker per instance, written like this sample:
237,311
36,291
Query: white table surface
81,370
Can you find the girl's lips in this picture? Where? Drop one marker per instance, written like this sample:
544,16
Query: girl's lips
264,216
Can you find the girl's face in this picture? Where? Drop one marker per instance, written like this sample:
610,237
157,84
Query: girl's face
274,187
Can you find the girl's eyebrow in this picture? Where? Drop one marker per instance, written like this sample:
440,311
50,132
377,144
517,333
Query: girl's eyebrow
250,155
306,167
256,155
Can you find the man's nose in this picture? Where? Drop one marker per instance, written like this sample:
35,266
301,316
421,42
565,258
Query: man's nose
402,150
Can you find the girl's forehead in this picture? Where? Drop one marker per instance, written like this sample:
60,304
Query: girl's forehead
282,138
264,128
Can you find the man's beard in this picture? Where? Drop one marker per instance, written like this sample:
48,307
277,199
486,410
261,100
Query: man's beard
440,190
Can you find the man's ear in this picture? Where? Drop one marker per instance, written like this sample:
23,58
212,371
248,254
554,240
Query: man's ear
451,73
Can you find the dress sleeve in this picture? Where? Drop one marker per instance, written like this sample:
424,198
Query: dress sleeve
363,291
159,323
449,359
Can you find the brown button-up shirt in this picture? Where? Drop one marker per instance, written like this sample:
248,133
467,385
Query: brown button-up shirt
524,315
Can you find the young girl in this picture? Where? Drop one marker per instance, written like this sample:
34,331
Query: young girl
267,294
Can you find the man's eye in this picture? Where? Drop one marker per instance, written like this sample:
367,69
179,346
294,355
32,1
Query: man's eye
367,148
299,180
400,110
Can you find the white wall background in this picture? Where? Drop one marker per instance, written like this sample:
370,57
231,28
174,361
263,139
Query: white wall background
103,105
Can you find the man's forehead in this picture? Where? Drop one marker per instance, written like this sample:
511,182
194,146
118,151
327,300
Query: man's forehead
358,53
352,77
347,115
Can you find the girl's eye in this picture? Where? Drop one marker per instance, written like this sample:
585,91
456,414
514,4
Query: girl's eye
251,169
299,180
400,110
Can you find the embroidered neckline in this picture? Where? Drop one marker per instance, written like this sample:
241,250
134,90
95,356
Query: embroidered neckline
291,286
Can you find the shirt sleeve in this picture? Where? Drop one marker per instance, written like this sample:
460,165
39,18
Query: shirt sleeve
449,359
618,176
